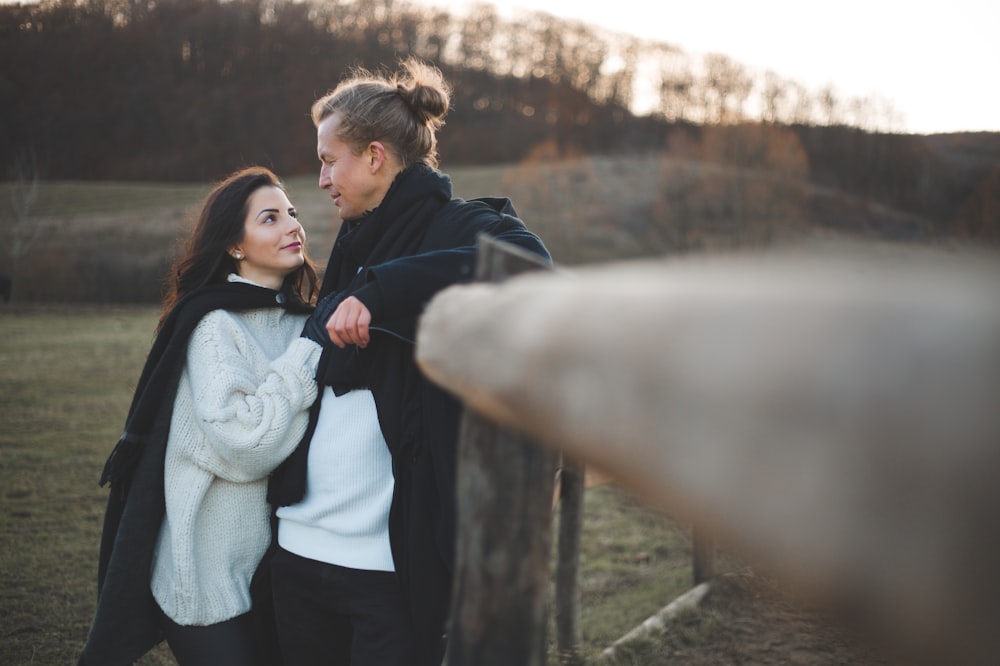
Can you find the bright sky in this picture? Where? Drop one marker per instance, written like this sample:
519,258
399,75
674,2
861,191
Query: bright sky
935,63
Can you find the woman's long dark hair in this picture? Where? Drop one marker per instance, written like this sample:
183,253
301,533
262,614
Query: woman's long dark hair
220,225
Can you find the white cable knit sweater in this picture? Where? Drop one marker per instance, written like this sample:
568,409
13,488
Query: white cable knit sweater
241,408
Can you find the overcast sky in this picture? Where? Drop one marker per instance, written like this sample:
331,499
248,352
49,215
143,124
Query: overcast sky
936,63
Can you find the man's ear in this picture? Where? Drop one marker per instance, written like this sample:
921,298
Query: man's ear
376,155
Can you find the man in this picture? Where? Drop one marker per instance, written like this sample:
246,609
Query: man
366,517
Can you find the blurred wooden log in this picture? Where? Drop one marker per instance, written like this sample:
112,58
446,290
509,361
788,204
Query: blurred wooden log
834,411
659,620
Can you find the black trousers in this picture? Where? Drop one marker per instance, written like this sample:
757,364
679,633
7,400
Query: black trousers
336,616
229,643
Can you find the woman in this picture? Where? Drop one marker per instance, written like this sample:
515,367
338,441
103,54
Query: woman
362,574
222,400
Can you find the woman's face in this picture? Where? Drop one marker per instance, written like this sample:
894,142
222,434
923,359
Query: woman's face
356,183
273,241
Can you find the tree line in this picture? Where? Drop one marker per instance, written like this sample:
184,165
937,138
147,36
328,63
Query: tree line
185,90
179,89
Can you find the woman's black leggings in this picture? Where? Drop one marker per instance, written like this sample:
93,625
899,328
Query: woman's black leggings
229,643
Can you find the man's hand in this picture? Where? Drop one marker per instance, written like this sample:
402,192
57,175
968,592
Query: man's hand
315,326
349,324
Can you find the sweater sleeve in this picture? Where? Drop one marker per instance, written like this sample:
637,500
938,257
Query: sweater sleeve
250,419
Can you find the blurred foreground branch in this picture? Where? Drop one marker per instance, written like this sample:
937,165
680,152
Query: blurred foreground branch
835,412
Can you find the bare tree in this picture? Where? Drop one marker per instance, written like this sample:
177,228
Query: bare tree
774,97
727,87
20,229
830,105
620,76
477,29
675,82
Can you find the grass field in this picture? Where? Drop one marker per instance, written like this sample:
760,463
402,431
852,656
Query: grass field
111,242
67,373
66,378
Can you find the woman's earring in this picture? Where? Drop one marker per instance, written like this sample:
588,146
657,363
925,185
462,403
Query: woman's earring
238,256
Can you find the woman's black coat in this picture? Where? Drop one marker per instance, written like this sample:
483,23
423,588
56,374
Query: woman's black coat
127,622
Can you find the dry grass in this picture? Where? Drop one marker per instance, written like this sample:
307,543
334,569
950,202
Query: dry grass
66,374
110,242
66,378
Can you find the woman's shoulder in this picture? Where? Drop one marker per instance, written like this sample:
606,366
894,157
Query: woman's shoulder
258,319
246,333
217,326
219,318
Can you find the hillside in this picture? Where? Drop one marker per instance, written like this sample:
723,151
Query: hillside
112,242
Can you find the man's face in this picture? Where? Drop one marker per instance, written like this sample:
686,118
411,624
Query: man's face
351,179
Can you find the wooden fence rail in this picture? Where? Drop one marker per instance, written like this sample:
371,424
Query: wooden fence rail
835,412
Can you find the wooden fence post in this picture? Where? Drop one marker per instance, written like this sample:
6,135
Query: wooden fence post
567,608
704,554
499,609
